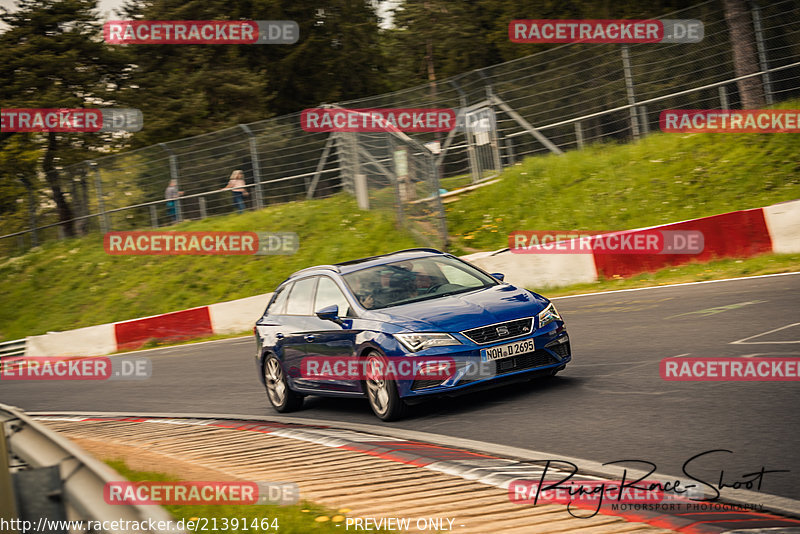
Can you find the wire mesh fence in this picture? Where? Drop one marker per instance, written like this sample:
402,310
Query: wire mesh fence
556,100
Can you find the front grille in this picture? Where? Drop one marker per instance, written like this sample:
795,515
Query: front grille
488,334
530,360
424,384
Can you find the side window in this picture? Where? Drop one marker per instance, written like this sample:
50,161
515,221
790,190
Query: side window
328,294
279,302
455,275
301,297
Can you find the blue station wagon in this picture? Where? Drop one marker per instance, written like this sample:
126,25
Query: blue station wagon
401,328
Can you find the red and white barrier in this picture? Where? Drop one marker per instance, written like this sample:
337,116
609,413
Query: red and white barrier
737,234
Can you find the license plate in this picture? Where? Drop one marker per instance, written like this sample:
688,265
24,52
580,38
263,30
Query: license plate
506,351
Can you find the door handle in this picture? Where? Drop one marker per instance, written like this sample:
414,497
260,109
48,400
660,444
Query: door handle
279,336
309,337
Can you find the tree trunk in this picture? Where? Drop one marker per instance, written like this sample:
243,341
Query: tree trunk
54,181
745,59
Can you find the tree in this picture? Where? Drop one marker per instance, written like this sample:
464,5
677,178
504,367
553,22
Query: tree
744,53
52,57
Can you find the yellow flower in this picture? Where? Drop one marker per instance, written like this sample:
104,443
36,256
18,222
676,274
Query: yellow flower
322,519
337,518
344,510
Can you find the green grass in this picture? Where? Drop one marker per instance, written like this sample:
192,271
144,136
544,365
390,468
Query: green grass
691,272
301,518
661,179
70,284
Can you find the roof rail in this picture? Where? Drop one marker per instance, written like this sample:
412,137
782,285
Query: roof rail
418,249
362,260
333,268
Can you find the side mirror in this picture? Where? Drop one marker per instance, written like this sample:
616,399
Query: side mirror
330,313
499,276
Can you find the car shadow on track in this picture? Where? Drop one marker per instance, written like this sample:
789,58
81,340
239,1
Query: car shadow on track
358,410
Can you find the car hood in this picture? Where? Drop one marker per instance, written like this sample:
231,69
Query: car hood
455,313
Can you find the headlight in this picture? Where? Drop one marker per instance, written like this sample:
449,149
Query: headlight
548,315
416,342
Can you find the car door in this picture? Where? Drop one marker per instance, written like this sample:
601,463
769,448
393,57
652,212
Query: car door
297,320
330,341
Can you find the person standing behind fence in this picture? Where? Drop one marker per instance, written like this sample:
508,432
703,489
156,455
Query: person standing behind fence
237,185
172,194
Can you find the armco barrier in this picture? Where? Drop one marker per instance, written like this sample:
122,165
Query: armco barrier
736,234
12,348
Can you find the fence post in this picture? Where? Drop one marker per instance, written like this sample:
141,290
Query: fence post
202,202
173,175
723,98
579,135
153,216
762,52
643,116
251,138
626,66
105,225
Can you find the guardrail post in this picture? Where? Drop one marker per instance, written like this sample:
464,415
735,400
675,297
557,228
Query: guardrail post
202,202
8,505
762,52
173,175
256,166
626,66
105,225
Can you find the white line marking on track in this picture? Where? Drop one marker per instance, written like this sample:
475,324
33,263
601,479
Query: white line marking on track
744,340
675,285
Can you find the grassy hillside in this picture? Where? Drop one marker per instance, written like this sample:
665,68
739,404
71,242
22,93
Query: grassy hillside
664,178
69,284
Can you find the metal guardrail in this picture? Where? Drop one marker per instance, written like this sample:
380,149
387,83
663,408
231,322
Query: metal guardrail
83,477
12,348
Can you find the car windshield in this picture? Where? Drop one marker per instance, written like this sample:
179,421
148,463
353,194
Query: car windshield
406,281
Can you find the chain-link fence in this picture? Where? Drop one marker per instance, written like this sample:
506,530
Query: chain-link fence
390,171
556,100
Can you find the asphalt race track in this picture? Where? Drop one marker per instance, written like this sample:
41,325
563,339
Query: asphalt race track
610,403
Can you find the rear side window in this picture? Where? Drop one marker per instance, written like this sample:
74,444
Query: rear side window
302,297
279,303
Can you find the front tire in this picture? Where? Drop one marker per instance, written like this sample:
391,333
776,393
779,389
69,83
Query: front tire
382,391
280,396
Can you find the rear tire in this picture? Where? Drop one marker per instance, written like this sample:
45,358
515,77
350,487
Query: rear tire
381,391
280,396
